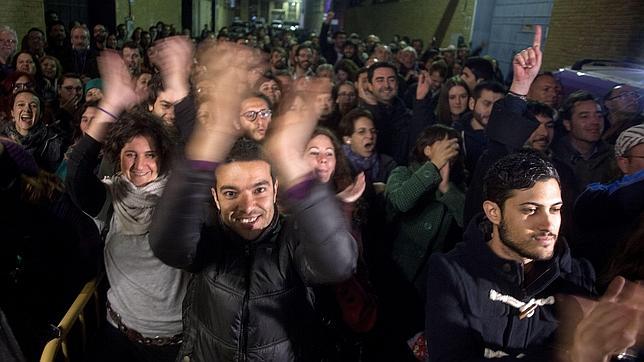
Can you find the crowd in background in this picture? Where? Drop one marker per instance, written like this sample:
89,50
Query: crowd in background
413,142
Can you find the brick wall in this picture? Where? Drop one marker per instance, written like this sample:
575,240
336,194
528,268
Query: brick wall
147,12
414,18
22,15
594,29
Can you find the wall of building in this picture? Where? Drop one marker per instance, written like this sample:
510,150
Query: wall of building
414,18
600,29
22,15
147,12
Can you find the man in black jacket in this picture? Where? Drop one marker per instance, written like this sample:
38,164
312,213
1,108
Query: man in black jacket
247,299
332,52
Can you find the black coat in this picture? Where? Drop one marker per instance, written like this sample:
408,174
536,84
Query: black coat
247,299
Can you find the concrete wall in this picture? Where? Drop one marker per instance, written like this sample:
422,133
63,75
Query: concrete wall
147,12
414,18
22,15
594,29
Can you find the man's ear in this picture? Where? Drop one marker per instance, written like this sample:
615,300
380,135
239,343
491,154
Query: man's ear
492,212
150,107
622,163
214,196
471,103
275,191
346,139
566,123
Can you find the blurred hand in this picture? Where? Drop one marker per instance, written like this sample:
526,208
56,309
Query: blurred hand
366,96
118,86
225,70
526,64
442,151
329,17
424,85
292,130
611,325
353,192
444,172
174,58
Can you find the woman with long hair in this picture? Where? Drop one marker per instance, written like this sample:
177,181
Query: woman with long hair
452,101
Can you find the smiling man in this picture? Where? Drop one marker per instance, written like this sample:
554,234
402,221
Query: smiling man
582,149
247,300
493,295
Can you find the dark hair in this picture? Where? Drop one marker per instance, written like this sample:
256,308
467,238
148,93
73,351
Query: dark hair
132,45
347,123
568,107
492,86
302,46
481,67
349,66
78,115
14,62
339,32
25,40
517,171
68,75
627,259
155,86
245,150
540,109
372,69
139,123
439,66
362,70
55,23
443,113
342,174
430,135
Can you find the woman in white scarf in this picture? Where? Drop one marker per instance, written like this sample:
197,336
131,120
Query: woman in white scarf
145,295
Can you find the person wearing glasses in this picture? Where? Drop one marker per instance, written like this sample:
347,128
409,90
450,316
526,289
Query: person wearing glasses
255,116
623,110
8,43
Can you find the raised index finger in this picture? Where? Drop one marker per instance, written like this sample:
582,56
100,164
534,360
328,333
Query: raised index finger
536,44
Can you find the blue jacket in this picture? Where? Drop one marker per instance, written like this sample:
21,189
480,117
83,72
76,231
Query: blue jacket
463,323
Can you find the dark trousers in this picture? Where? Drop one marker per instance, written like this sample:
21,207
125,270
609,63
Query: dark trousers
113,345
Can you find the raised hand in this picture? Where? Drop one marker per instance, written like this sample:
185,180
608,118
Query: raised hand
174,58
526,65
118,86
329,17
442,151
353,192
292,130
612,325
424,85
444,172
225,71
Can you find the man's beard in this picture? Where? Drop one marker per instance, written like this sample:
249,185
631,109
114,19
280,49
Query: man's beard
520,248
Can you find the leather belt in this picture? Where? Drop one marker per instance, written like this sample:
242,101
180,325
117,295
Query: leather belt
137,337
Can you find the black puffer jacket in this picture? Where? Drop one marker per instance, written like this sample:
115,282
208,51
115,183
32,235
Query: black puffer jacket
247,299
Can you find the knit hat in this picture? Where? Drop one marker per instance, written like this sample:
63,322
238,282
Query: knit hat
94,83
23,159
629,139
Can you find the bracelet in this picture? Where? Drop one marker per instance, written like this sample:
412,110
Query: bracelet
106,112
523,97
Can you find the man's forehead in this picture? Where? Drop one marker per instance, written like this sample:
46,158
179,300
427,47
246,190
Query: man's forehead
586,106
545,192
253,102
71,81
239,173
384,72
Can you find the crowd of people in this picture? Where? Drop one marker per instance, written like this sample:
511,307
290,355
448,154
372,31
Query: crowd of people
321,197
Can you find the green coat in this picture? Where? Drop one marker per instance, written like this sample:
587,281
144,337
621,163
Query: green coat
421,214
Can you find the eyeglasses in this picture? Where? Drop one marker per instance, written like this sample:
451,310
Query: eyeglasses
262,113
633,95
19,87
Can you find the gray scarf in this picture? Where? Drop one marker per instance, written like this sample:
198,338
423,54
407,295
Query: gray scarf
133,206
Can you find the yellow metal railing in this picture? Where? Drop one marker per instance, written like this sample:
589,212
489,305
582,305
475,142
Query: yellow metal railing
75,313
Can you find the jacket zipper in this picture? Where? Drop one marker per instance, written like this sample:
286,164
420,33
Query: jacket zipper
244,328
